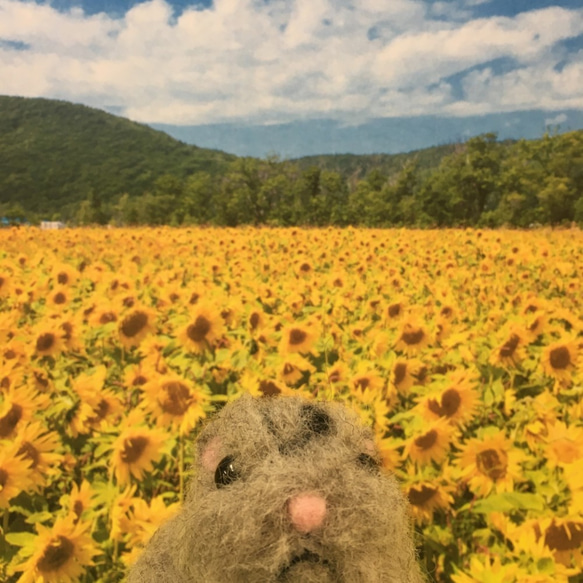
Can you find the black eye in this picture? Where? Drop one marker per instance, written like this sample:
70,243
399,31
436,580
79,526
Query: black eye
368,462
316,420
226,473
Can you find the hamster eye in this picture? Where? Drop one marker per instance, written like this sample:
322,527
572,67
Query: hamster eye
226,473
368,462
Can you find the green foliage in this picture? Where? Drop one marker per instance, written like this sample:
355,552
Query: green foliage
53,153
70,162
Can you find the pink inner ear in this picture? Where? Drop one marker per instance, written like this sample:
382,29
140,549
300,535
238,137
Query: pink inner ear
211,454
370,446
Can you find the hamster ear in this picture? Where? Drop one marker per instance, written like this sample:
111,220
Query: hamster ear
210,454
370,447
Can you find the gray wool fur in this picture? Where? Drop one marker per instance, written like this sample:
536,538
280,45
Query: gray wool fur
270,450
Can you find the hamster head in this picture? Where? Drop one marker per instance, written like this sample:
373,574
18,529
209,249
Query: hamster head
285,490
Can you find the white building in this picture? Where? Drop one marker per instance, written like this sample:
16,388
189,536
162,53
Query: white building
51,225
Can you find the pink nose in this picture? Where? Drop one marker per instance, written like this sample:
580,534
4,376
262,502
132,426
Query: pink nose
306,512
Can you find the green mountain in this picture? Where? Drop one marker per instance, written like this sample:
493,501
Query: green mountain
54,154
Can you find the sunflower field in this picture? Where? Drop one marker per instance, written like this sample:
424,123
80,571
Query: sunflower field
463,349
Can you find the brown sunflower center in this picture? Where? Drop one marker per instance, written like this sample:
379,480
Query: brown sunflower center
334,377
78,508
197,332
133,448
62,278
59,298
269,388
133,324
427,440
254,320
297,336
139,381
10,420
177,398
107,317
560,358
446,312
567,537
413,336
56,554
288,368
3,477
362,383
491,463
67,329
420,496
45,342
394,310
400,371
29,452
450,403
510,346
100,411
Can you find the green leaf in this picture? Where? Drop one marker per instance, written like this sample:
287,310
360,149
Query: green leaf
20,539
42,516
509,501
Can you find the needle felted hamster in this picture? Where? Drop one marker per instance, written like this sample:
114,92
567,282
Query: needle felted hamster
285,490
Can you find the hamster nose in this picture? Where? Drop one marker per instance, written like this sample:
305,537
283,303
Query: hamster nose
306,512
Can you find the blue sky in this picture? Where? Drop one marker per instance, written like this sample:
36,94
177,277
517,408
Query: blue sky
305,76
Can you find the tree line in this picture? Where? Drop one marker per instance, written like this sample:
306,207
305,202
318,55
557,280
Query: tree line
483,183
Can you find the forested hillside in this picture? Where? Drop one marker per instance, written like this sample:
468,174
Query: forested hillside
54,154
356,166
85,166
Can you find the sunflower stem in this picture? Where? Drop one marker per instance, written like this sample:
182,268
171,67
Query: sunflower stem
181,466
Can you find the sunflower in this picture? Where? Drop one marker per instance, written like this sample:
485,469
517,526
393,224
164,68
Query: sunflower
79,500
59,298
563,536
425,497
293,368
455,400
59,554
136,375
338,373
18,407
490,463
430,444
70,329
488,569
172,399
144,520
39,447
564,444
103,315
298,338
47,340
135,450
205,326
512,351
135,325
560,359
15,474
64,274
404,374
412,338
256,320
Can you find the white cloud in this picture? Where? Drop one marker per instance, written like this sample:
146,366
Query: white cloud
557,120
288,59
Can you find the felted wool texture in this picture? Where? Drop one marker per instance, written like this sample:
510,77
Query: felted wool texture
242,532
